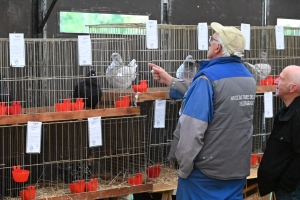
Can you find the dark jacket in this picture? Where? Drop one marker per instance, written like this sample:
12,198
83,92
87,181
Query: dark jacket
280,165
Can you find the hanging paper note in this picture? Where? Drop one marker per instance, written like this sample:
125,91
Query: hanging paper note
95,131
17,49
279,32
268,104
159,113
245,29
151,34
84,50
33,137
202,36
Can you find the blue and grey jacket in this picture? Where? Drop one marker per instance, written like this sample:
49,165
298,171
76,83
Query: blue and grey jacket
215,129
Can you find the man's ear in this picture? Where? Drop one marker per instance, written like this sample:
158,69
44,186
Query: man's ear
218,49
294,88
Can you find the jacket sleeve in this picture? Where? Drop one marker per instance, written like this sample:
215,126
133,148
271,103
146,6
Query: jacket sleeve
197,114
178,88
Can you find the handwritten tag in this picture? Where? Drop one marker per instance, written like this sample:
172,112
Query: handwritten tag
268,104
17,49
84,50
95,131
245,29
33,137
279,32
159,113
151,34
202,36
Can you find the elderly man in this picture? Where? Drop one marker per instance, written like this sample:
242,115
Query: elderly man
212,140
279,169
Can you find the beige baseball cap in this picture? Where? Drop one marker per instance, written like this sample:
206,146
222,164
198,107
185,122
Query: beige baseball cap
232,38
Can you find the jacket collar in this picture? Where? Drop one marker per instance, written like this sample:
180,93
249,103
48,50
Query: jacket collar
220,60
287,112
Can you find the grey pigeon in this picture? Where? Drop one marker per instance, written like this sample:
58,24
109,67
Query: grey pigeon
187,69
118,75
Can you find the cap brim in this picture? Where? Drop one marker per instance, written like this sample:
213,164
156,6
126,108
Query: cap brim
217,27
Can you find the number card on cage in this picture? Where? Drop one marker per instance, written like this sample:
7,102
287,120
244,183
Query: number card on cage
245,29
159,113
151,34
202,36
268,104
17,49
84,50
33,137
95,131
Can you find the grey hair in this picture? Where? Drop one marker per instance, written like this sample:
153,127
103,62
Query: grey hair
225,52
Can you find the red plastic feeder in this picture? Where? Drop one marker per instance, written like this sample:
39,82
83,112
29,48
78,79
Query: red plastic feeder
254,159
3,108
77,187
143,82
79,104
92,185
137,180
153,172
139,88
259,157
65,106
20,175
125,101
118,104
15,108
28,194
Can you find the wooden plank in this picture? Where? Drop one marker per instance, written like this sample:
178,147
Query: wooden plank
69,115
151,94
265,88
104,193
253,173
16,119
161,187
83,114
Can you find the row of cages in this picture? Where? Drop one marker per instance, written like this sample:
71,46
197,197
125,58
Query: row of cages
133,152
52,74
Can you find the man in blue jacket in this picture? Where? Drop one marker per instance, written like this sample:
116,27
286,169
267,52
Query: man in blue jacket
213,138
279,168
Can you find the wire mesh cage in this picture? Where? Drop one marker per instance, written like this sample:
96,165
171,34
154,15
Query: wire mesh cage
66,157
160,140
131,146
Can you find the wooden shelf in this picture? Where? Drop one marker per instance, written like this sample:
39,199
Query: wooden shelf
69,115
150,95
47,114
116,192
266,88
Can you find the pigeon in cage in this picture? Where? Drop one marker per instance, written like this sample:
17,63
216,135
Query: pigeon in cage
118,75
187,69
89,90
260,70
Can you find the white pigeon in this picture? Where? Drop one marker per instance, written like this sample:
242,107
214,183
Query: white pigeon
260,70
187,69
118,75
